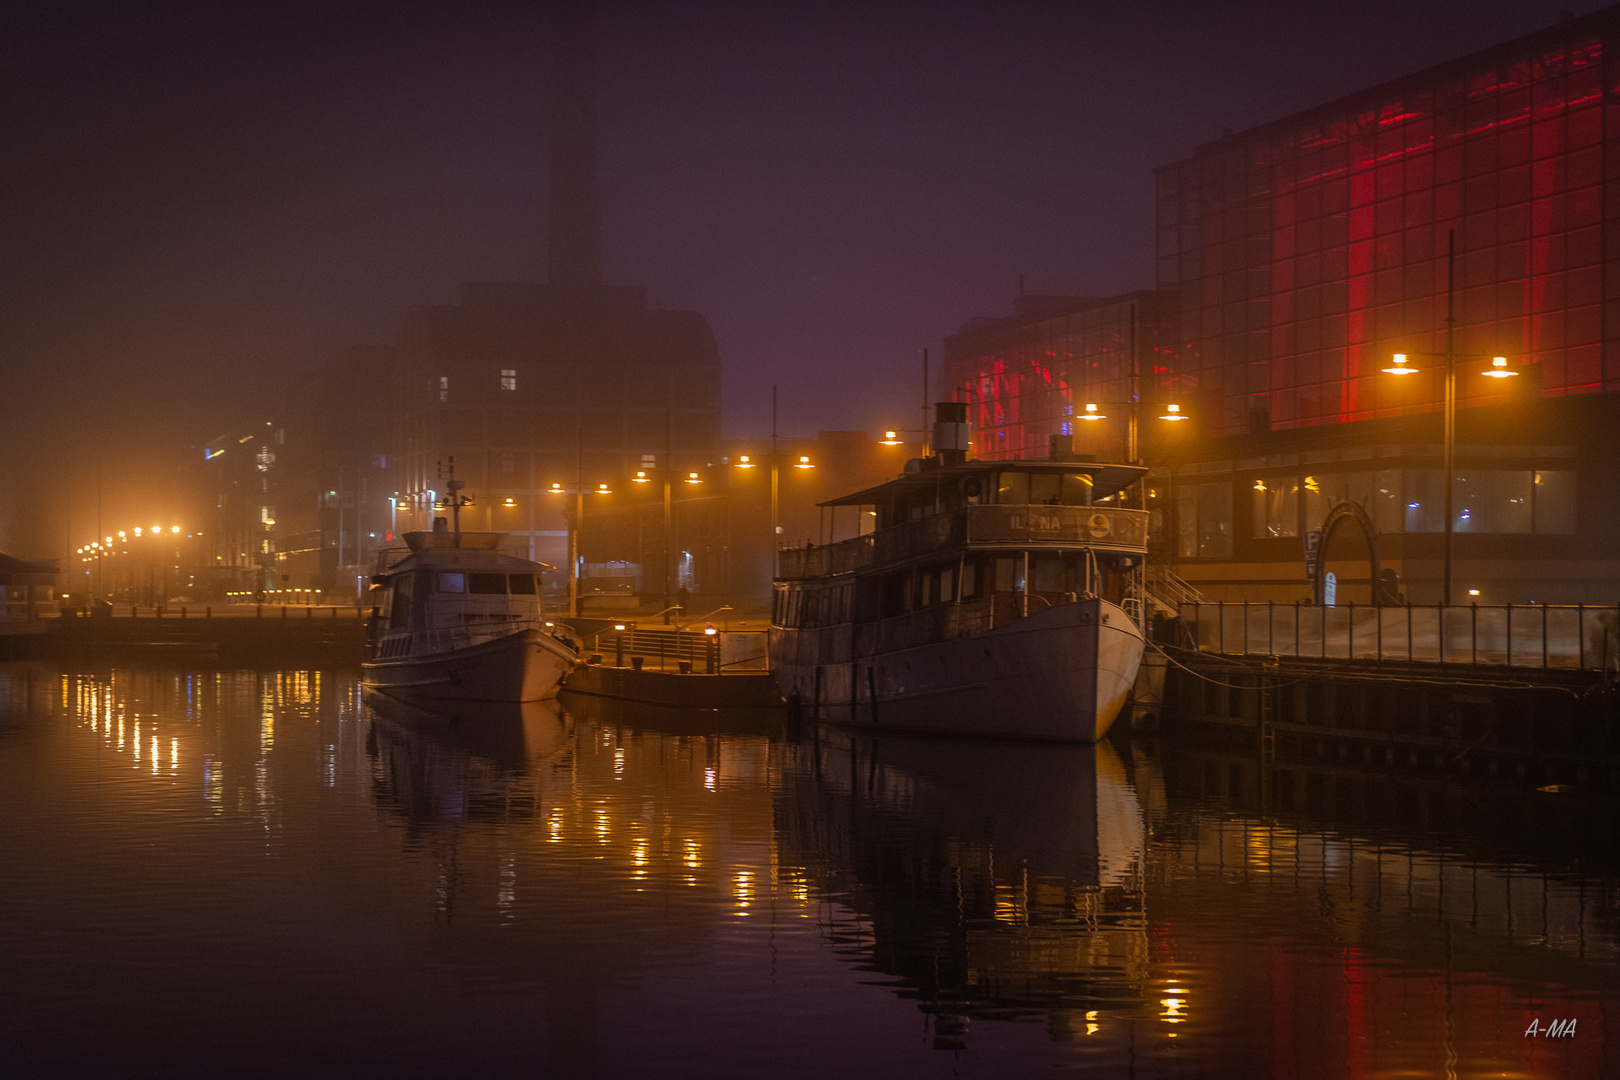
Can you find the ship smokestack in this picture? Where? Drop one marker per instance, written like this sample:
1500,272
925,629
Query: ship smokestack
951,432
576,240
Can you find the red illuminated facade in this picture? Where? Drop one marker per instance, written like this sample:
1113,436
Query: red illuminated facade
1302,254
1294,260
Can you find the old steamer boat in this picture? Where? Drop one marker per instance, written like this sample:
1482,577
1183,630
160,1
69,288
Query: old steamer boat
457,618
984,597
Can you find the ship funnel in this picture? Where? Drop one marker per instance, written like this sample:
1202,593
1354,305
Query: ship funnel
951,432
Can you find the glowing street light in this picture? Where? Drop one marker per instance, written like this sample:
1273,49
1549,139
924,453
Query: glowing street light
1400,366
803,462
1499,369
1091,412
1173,411
743,462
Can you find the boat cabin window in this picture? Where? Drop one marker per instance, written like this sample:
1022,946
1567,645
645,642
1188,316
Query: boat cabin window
970,581
1044,488
451,582
1048,574
1077,489
1012,488
399,612
1009,575
523,585
487,584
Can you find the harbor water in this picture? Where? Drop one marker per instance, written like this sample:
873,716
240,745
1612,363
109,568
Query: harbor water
271,872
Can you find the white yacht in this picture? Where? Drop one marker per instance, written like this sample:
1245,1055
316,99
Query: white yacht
457,618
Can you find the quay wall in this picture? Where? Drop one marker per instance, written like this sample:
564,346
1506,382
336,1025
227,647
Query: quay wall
1542,727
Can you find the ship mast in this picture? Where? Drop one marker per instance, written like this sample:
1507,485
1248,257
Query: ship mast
453,499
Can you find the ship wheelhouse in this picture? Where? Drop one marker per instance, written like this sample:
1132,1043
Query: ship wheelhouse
960,549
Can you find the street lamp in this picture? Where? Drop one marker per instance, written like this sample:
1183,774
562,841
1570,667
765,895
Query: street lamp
573,537
1498,370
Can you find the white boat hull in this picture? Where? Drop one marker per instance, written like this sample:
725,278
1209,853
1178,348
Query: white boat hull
1062,673
525,666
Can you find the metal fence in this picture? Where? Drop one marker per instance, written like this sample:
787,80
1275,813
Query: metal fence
1541,636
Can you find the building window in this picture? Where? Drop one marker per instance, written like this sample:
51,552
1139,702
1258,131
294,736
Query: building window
508,378
1204,521
444,388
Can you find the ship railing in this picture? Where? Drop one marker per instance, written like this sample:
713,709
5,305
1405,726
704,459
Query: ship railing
1575,637
1035,526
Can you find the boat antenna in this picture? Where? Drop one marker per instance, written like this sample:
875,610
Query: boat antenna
453,499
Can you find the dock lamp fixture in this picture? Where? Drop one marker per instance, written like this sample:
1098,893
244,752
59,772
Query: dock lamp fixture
693,478
803,462
890,438
1499,369
744,462
1091,412
1173,411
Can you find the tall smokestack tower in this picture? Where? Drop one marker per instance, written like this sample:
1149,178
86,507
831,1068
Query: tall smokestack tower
576,232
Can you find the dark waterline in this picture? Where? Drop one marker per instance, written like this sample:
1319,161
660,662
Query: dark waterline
267,873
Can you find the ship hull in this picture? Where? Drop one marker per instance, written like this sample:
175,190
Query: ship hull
1063,673
525,666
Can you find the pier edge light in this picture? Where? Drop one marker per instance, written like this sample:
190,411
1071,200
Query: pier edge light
1091,412
1400,367
803,462
138,530
743,462
1173,411
510,501
641,477
890,438
693,478
603,489
1499,368
556,488
122,535
175,529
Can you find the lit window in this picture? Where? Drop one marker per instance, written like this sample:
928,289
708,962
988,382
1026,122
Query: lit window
508,378
444,388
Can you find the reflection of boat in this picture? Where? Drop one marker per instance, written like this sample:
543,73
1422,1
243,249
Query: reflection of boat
459,619
988,877
438,760
983,597
507,733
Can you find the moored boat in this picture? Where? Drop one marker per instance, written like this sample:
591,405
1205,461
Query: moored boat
457,618
983,597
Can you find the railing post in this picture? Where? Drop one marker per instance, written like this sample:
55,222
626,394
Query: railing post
1245,628
1378,626
1324,631
1220,642
1271,628
1510,635
1473,633
1296,629
1580,637
1409,632
1350,633
1440,632
1544,635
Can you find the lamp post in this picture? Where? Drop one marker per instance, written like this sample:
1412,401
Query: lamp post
1448,456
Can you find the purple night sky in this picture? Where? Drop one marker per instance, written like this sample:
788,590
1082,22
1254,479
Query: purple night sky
202,198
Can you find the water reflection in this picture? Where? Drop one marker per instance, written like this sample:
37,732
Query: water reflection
991,879
591,889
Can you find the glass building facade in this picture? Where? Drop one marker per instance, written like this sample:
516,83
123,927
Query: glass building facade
1304,253
1029,377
